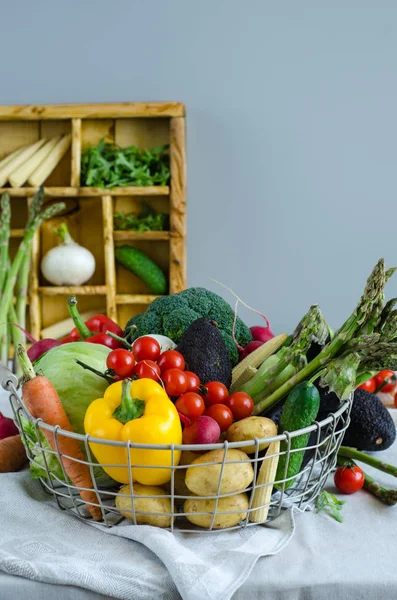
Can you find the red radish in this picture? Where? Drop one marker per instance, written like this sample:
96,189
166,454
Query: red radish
7,427
41,347
261,334
250,347
205,430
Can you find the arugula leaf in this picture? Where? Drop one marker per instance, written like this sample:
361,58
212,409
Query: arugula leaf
146,220
108,165
330,504
38,467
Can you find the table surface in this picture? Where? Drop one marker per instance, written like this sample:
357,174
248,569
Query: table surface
353,560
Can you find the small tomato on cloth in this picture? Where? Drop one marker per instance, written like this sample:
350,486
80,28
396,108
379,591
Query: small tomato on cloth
349,480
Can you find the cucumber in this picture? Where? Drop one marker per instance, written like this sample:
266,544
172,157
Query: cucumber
143,267
300,410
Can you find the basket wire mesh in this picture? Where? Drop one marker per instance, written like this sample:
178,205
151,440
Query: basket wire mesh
320,452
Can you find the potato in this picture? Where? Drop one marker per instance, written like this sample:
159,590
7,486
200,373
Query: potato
203,480
250,428
154,505
238,504
180,488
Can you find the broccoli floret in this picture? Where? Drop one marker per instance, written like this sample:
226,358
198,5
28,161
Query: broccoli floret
201,297
166,304
177,321
172,315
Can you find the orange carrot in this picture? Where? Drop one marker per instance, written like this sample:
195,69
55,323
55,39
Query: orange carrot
42,401
12,454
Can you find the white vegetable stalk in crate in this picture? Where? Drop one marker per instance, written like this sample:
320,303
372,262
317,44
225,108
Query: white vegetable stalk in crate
18,160
69,263
18,177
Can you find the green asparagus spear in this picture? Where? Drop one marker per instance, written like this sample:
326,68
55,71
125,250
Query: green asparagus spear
347,452
4,238
388,496
23,250
271,374
363,321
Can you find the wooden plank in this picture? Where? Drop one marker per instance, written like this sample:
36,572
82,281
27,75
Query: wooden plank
17,233
121,236
73,192
143,133
110,268
93,131
73,290
16,135
126,191
54,192
76,152
92,111
135,298
177,205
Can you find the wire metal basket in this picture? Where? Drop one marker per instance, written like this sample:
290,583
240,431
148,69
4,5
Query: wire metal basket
320,458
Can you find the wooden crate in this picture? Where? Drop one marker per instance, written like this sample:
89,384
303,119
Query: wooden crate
90,211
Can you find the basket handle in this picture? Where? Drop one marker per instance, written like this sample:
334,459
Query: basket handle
7,378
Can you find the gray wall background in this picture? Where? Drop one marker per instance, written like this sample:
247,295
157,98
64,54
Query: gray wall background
291,108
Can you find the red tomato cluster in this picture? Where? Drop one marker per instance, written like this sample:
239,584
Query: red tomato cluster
385,382
193,399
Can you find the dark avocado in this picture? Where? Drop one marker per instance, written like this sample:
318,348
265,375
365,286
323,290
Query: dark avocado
205,352
371,425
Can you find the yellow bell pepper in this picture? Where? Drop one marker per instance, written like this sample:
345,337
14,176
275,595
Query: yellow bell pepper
141,412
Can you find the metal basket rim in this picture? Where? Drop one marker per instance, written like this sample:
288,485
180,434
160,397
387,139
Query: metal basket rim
9,386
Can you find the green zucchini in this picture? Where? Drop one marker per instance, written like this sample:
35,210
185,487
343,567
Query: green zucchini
143,267
300,410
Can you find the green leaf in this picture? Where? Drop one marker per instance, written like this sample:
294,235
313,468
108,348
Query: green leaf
330,504
108,165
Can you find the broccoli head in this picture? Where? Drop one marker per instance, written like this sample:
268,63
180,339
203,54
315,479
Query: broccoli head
172,315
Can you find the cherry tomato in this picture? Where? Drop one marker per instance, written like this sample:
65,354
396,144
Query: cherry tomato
175,382
241,405
221,414
215,393
122,362
171,359
193,382
349,480
146,348
386,381
369,385
147,369
191,405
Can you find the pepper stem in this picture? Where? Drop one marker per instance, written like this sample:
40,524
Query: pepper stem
119,339
77,320
24,363
64,234
130,408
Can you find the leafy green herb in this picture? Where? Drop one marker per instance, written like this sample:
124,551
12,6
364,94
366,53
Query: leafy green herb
146,220
39,464
108,165
330,504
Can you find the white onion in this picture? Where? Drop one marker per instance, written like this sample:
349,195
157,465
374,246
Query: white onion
69,263
165,342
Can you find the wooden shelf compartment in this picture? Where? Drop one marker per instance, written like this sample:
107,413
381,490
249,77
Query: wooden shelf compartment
90,210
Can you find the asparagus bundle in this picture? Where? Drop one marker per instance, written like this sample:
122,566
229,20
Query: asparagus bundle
311,331
364,345
14,275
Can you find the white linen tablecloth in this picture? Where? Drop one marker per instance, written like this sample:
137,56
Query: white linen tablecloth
354,560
